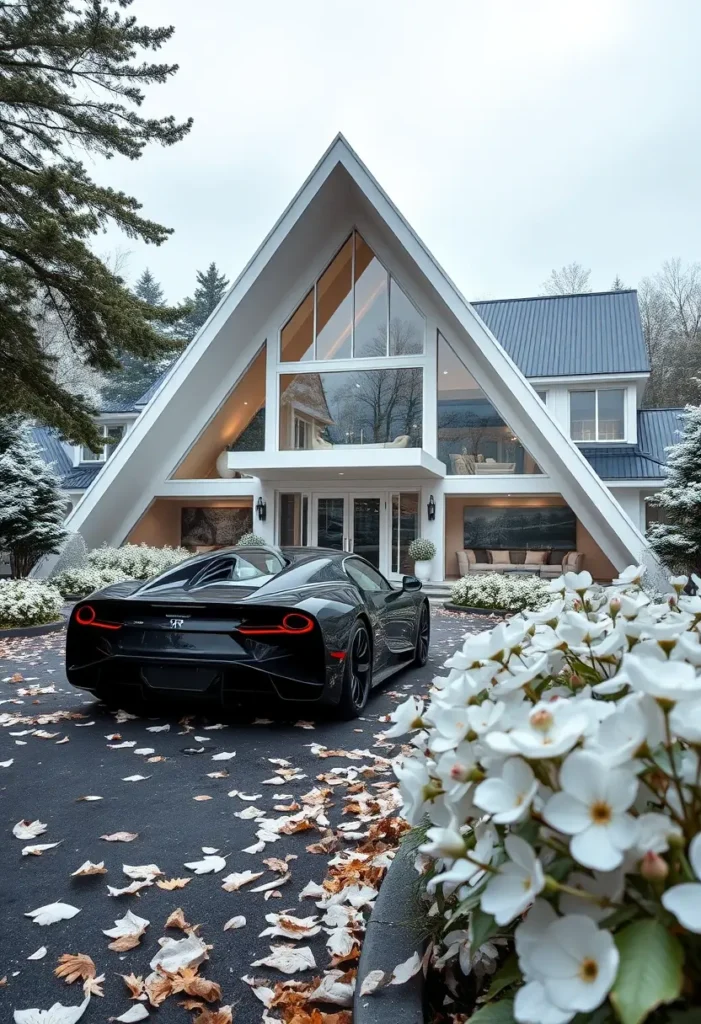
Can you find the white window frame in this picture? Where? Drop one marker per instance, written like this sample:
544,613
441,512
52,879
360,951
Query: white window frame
597,439
107,449
305,428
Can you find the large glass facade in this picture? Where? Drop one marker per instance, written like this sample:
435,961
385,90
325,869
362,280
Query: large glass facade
473,439
355,310
405,529
354,408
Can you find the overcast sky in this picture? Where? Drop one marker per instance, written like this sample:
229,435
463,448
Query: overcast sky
514,135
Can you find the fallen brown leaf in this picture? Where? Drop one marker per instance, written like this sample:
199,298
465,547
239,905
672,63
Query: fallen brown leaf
177,920
158,987
202,796
75,965
94,986
134,983
188,980
206,1016
125,942
172,883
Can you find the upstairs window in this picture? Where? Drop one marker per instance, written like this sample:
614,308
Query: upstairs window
597,415
355,310
112,436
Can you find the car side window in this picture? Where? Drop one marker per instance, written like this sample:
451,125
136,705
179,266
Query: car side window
368,579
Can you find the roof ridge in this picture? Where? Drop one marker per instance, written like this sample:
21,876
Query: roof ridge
568,295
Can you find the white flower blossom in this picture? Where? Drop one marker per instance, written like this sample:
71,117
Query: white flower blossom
552,729
405,716
684,901
517,884
578,962
508,797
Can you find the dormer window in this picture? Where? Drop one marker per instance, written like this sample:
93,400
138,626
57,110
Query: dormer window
112,436
354,310
597,415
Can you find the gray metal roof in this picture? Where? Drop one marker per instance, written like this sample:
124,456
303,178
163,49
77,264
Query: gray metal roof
80,477
657,430
568,335
52,451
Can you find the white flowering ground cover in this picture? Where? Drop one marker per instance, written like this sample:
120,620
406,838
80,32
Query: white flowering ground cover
107,565
501,591
557,766
28,602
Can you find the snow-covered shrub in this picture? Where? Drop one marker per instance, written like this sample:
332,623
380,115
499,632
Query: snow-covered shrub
556,786
28,603
250,540
501,591
677,541
107,565
421,550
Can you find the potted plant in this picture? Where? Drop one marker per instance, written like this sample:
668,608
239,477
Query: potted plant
422,552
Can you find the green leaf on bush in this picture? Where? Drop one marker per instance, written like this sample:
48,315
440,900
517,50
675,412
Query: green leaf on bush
649,973
508,974
495,1013
482,927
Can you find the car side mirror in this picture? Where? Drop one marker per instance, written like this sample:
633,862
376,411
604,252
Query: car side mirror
410,584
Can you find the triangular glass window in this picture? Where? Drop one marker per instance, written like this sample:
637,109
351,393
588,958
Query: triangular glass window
473,438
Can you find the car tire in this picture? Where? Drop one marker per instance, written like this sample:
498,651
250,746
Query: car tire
357,673
423,637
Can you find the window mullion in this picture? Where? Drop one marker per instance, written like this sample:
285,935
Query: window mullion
353,295
596,413
314,327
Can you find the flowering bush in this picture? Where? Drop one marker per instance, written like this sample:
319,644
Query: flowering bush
28,602
250,540
107,565
556,783
501,591
421,550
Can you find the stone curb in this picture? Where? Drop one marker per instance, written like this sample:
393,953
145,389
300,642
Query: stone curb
449,606
45,627
393,935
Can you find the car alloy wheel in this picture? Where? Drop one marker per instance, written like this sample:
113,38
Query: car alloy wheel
360,667
423,637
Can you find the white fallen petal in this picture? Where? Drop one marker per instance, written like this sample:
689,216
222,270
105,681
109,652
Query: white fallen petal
210,849
291,927
89,799
141,871
235,922
53,912
121,746
28,829
207,865
371,982
340,942
6,764
130,924
402,972
56,1014
224,755
158,728
39,954
135,1013
37,849
145,750
314,890
237,879
331,990
275,884
128,889
136,778
177,953
88,868
260,990
256,848
287,960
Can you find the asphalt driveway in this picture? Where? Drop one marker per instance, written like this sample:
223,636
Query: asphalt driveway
185,786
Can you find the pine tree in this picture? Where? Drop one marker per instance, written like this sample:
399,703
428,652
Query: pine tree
148,289
678,540
211,286
72,75
32,507
618,285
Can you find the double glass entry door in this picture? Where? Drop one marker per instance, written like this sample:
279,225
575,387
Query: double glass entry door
352,522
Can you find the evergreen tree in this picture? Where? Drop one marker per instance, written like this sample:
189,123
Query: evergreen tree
678,541
211,286
32,507
72,74
618,285
148,289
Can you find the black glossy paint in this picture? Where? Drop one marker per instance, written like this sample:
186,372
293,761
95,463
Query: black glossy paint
180,633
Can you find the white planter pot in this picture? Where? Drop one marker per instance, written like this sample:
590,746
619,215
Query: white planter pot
223,466
422,571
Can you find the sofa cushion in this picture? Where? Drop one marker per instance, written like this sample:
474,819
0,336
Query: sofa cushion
499,557
537,557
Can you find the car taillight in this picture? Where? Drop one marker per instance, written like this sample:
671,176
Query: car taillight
293,624
87,616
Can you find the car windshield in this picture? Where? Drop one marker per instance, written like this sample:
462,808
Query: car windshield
253,568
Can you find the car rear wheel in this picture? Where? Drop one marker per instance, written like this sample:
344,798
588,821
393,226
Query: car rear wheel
423,638
357,676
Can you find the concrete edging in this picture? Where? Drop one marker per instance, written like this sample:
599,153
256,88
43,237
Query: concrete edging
393,935
44,627
449,606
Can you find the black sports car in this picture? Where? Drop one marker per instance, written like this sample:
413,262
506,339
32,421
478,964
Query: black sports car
299,624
